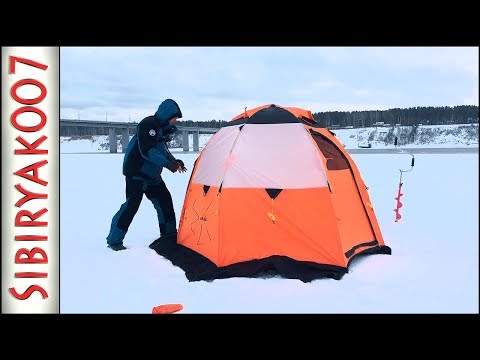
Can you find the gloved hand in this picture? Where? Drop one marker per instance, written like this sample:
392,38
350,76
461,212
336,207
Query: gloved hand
173,166
182,165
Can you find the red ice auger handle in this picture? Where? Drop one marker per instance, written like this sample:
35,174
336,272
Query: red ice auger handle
399,203
400,183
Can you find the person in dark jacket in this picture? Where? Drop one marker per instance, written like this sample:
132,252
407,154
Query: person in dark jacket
145,157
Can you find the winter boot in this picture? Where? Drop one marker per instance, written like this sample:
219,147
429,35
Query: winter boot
117,246
163,239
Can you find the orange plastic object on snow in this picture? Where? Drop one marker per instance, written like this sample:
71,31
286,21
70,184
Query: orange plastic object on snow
167,308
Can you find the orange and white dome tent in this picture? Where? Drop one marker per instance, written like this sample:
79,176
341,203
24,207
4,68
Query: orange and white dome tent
272,192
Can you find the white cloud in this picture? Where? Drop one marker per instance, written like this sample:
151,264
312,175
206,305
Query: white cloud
361,92
458,59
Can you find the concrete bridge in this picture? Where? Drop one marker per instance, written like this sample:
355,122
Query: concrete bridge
128,128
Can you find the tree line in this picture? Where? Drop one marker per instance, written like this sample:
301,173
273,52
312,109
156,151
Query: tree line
420,115
426,115
217,124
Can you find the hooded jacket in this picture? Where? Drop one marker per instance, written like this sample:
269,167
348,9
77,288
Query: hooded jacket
147,153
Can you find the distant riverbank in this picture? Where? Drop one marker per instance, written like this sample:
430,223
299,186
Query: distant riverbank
417,150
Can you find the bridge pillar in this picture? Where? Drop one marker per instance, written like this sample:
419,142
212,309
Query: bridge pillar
112,139
195,140
125,139
186,145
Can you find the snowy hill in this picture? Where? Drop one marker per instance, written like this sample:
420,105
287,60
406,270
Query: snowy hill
378,137
408,136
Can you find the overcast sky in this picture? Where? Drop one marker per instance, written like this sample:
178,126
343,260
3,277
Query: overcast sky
128,83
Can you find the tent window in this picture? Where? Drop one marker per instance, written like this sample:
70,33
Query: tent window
273,193
335,158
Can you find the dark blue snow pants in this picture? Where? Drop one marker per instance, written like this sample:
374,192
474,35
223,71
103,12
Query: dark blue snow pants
161,199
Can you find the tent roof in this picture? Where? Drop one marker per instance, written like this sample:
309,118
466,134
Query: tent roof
297,112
